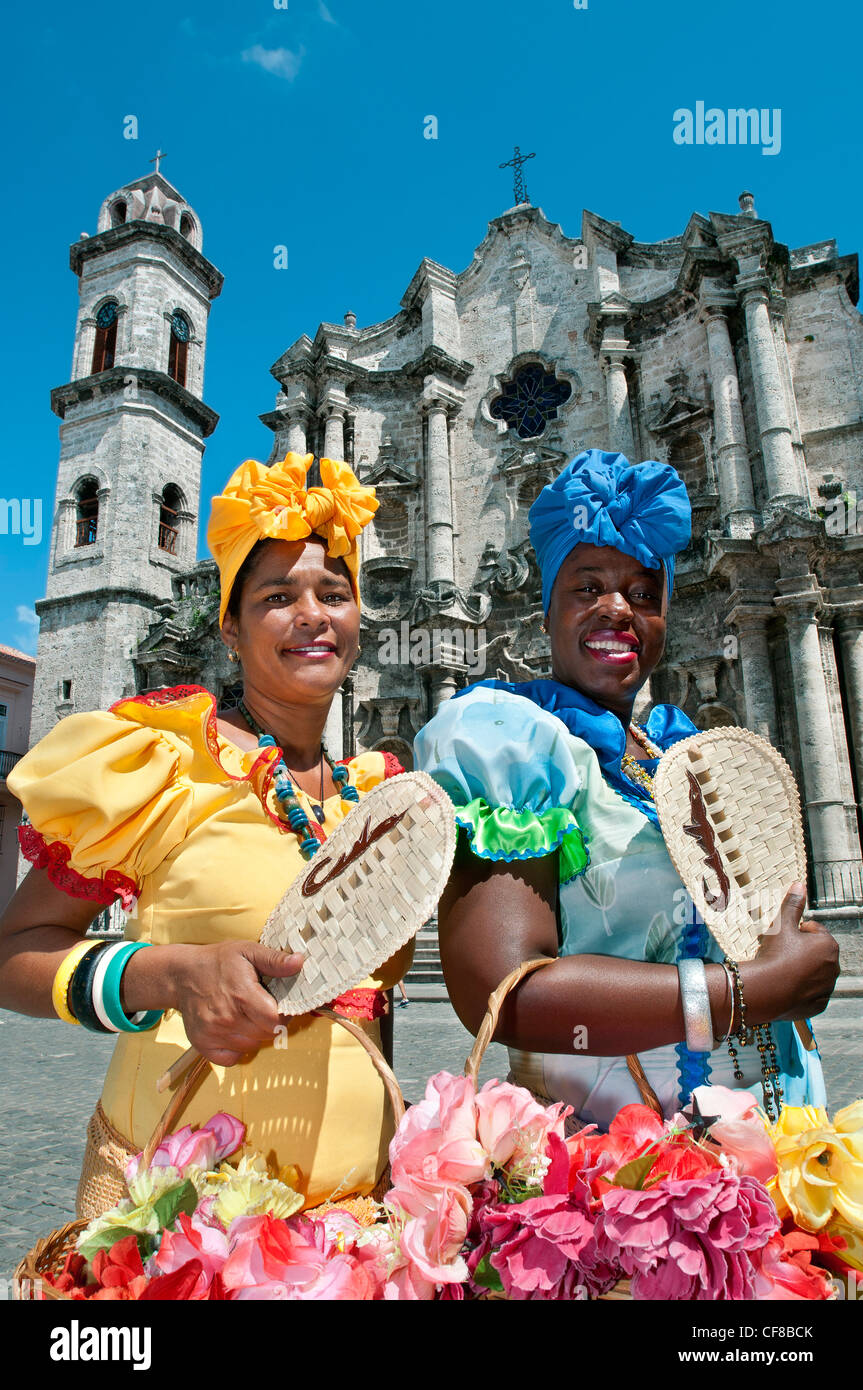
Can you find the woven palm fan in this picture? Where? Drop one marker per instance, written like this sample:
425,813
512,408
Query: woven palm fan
366,892
729,810
373,883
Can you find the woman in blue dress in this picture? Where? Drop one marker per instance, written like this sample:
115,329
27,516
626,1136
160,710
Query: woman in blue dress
561,854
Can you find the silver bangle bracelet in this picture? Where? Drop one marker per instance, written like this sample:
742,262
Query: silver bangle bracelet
696,1005
730,978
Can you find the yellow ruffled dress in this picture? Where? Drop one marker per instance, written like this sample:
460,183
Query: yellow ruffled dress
150,798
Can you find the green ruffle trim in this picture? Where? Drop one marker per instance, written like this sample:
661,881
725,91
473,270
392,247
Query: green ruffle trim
501,832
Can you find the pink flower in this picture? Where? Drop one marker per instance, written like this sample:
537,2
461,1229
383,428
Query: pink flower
406,1285
545,1248
437,1139
511,1125
272,1258
740,1130
693,1239
437,1219
194,1241
786,1270
202,1148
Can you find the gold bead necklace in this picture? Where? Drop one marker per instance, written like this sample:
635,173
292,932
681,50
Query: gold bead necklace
632,768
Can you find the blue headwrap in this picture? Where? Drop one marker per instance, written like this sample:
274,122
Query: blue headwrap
602,499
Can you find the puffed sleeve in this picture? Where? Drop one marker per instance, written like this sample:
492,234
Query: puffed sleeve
508,767
107,800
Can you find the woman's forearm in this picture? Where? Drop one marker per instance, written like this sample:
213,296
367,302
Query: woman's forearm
30,959
599,1005
493,916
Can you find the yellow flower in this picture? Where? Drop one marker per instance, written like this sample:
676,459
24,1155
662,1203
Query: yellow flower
820,1165
248,1190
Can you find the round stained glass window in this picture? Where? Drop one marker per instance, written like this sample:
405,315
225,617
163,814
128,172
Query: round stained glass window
180,327
530,400
106,315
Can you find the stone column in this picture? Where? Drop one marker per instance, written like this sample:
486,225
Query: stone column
824,806
82,357
334,727
777,446
334,432
620,436
850,630
753,653
442,686
298,420
736,499
438,400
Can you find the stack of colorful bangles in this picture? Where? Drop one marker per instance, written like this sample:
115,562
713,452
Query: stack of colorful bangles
86,988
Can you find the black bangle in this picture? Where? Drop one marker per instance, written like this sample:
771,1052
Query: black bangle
80,996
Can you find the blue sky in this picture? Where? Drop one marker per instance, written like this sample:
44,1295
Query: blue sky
304,125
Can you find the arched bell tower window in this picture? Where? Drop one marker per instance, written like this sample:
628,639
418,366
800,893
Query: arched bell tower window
187,226
169,521
87,513
530,400
179,347
106,336
118,213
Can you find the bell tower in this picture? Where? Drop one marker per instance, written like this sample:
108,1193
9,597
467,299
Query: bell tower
131,442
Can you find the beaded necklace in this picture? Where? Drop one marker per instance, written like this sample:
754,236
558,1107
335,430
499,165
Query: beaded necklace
289,805
632,768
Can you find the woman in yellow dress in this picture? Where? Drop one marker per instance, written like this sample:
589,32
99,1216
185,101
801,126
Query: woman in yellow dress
198,821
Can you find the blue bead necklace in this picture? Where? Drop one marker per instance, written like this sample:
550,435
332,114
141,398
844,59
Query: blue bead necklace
290,808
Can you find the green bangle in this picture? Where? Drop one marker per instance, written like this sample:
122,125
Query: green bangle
111,994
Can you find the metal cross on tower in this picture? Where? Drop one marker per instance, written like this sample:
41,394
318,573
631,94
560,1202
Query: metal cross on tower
160,154
520,192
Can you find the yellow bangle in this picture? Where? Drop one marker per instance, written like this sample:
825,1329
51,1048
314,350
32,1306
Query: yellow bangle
63,978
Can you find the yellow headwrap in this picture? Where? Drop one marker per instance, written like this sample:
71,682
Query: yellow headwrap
273,503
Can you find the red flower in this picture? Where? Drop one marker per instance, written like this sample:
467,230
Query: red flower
786,1270
72,1279
177,1286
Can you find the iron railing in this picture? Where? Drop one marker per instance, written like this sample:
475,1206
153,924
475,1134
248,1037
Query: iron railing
837,884
168,538
110,923
85,530
8,761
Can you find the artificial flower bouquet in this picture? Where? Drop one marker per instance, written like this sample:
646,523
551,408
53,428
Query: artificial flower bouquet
491,1199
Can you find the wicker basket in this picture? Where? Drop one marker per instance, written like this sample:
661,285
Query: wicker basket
49,1254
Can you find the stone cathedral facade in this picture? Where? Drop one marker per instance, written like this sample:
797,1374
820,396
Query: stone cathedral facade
718,349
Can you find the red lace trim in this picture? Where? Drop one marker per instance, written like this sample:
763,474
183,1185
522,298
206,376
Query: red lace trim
165,695
54,859
392,766
360,1004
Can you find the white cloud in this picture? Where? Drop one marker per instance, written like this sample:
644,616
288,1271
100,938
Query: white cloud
324,13
27,617
28,628
279,61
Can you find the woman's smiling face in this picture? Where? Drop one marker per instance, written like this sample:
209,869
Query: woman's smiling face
606,624
297,628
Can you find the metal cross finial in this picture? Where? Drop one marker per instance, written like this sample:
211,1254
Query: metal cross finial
520,192
160,154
